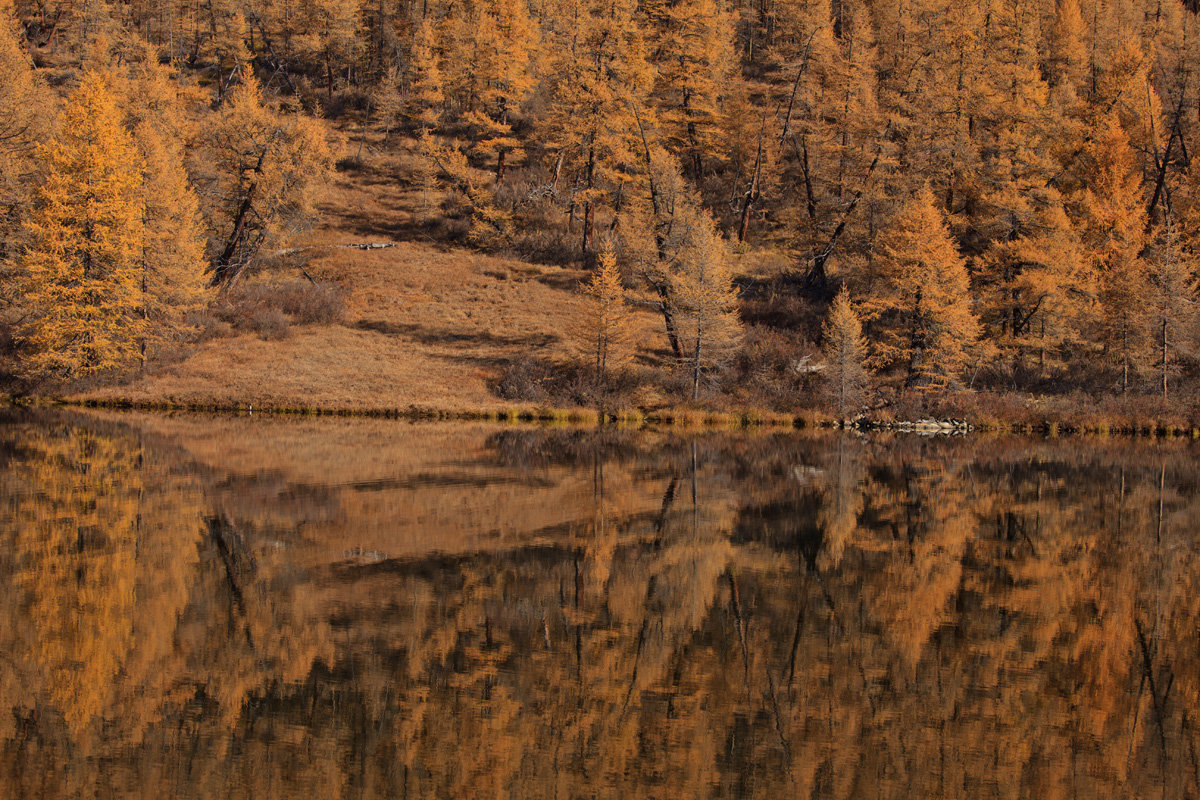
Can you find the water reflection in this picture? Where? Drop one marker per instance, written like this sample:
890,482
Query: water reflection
203,608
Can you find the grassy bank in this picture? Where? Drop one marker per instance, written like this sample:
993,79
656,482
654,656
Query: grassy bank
686,418
676,417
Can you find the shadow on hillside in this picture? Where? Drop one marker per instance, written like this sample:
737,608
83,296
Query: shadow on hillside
467,339
565,280
397,224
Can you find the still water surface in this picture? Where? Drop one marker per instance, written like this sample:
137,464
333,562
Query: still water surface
201,607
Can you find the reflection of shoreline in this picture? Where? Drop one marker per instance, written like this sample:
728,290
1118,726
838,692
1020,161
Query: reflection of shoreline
324,606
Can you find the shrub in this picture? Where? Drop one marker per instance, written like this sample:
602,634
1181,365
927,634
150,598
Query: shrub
269,309
308,303
269,323
777,369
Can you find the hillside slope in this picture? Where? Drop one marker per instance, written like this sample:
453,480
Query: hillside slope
425,325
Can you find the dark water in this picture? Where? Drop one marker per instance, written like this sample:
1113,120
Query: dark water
208,608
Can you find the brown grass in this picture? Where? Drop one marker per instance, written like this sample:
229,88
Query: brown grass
424,325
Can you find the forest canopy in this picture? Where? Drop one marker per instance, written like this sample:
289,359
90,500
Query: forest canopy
999,189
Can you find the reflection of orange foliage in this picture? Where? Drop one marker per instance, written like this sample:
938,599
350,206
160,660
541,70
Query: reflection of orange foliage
1009,618
77,537
927,525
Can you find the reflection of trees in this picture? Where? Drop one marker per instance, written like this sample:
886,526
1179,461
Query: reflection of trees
110,587
76,535
710,617
101,547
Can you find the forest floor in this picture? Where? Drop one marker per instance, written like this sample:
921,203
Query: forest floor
426,326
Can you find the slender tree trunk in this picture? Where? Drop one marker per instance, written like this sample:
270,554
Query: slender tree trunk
589,211
1164,358
1125,361
660,287
916,344
145,320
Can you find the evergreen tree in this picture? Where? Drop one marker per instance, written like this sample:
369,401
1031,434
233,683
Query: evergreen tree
917,298
606,335
845,352
1114,234
1172,295
80,271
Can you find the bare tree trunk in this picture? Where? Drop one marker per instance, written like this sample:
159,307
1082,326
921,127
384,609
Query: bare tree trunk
589,211
1164,358
752,192
664,305
1124,361
222,269
660,286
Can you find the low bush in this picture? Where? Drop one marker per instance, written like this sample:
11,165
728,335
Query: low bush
269,323
550,383
776,369
270,309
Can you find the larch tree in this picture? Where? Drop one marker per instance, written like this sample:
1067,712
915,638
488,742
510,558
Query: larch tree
1014,196
1173,286
263,169
835,136
424,93
81,267
934,96
1066,46
595,96
492,48
750,154
606,333
490,225
173,262
1035,289
709,327
225,44
845,352
653,228
332,37
1114,235
694,52
387,105
26,111
917,298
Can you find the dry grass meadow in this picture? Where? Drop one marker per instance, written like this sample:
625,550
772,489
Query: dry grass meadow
426,325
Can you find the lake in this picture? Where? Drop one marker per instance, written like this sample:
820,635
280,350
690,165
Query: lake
233,607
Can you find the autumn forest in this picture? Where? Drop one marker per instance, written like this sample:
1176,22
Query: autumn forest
843,204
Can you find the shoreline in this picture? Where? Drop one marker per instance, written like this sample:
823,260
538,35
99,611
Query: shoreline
672,417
